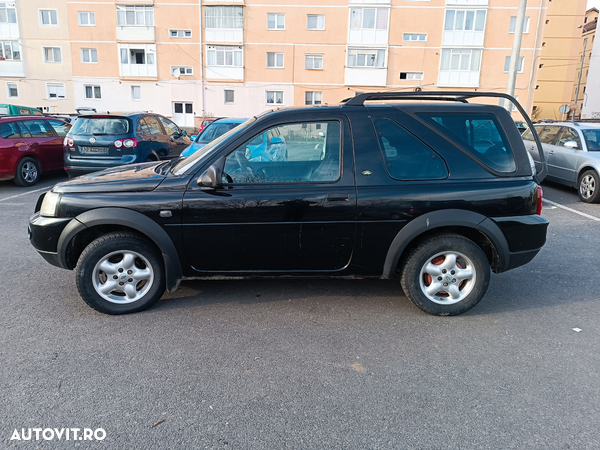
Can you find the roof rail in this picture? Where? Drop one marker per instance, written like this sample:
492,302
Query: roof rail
448,96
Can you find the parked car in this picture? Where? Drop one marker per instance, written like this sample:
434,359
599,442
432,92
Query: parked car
17,110
100,141
440,194
521,126
216,128
572,150
30,146
206,122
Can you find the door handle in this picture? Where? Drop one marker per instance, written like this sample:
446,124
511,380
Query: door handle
338,197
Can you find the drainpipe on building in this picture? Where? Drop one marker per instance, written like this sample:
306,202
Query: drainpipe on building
514,56
579,79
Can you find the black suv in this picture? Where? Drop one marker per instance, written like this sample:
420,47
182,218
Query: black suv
437,193
100,141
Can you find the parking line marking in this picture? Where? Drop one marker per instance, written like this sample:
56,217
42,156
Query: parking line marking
571,209
25,193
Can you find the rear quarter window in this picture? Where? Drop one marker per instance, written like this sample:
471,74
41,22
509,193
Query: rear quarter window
9,130
479,134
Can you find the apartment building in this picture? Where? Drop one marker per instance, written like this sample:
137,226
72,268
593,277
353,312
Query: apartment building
588,35
187,59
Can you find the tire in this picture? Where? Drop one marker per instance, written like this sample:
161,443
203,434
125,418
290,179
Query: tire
28,172
135,262
462,267
588,187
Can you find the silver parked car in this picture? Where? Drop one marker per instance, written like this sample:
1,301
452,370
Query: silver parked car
572,150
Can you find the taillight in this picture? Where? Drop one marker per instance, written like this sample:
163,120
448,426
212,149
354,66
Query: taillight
128,143
68,142
538,207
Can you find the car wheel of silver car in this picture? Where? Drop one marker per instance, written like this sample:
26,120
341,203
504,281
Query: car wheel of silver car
120,273
28,172
446,275
588,187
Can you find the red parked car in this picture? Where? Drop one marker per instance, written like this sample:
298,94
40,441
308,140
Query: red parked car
30,146
206,122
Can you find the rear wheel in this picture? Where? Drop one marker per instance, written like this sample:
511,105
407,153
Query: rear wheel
28,172
446,275
588,188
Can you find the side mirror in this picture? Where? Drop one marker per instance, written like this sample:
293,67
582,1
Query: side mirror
183,132
321,134
276,140
571,144
212,177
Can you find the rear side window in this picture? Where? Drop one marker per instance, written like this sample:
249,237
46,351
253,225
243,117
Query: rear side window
528,135
479,134
406,157
547,133
99,126
38,128
149,125
61,128
9,130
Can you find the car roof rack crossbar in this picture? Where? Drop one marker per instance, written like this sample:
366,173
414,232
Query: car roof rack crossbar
448,96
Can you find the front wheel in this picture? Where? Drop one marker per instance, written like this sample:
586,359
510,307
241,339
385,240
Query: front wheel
588,188
446,275
120,273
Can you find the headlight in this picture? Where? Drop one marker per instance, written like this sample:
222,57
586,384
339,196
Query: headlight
50,204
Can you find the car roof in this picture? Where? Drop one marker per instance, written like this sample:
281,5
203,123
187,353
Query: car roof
230,120
570,124
9,117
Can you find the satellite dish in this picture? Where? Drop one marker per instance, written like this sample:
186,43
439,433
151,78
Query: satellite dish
176,73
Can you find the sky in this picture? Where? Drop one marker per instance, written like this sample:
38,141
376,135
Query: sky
593,4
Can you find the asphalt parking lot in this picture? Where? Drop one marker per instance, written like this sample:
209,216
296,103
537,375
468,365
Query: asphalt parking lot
320,364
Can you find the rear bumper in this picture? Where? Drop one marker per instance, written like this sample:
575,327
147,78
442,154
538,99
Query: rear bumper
79,166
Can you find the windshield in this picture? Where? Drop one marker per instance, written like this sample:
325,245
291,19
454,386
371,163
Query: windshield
185,164
100,126
592,139
214,130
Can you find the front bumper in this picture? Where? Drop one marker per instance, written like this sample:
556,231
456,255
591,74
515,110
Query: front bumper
44,233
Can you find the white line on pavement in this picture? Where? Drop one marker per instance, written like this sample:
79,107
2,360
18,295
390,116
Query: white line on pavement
571,210
25,193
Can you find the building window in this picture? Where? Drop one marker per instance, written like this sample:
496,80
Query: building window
313,62
313,98
180,33
229,95
464,20
366,57
86,18
138,16
10,50
274,60
513,23
275,21
48,17
274,97
182,70
52,54
411,37
411,75
136,93
56,91
12,90
89,55
369,18
224,56
8,13
315,22
459,59
223,17
136,56
519,66
92,92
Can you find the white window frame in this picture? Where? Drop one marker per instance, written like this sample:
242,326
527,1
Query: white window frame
520,66
187,70
231,17
225,91
313,98
320,18
460,52
180,34
358,18
49,11
414,76
276,56
133,49
93,88
15,85
214,53
89,15
275,18
408,37
513,24
357,52
139,91
58,87
12,45
91,52
53,61
275,95
463,14
8,12
313,57
143,12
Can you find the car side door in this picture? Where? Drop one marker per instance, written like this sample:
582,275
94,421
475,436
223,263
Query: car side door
175,137
43,141
564,155
547,134
150,133
284,216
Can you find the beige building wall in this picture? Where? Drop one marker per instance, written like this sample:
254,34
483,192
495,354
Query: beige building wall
588,33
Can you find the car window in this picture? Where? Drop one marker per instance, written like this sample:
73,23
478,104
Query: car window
592,139
215,130
170,127
61,128
568,134
479,134
547,133
528,135
306,152
38,128
149,125
99,126
9,130
405,156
